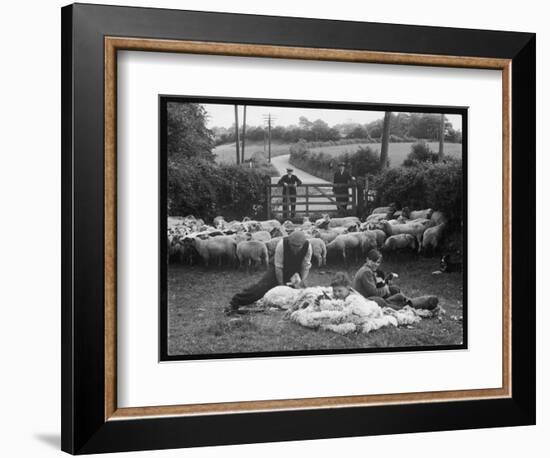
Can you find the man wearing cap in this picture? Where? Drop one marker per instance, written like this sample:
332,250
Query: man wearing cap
292,255
342,176
289,183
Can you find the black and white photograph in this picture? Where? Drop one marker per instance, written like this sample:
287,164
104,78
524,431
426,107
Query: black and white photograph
310,228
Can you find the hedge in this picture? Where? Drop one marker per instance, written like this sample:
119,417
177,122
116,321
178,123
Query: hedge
423,185
206,189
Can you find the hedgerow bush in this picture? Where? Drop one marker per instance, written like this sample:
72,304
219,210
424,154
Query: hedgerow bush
425,185
258,160
420,152
206,189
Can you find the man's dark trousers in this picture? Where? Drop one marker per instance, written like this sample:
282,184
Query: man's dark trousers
257,290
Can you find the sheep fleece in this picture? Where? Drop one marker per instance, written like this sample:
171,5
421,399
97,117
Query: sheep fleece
354,314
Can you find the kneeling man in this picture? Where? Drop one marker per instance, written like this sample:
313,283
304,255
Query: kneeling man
292,255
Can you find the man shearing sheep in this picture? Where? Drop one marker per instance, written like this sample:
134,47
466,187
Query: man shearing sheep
292,255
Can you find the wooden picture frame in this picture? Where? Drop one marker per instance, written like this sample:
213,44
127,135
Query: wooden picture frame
91,419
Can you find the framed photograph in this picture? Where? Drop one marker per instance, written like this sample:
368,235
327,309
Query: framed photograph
270,222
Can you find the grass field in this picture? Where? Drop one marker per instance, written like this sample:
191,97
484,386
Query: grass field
226,153
398,152
197,325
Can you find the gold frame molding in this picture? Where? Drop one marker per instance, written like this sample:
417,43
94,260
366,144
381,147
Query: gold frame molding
114,44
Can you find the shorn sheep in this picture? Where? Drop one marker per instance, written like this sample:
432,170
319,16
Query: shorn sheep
252,253
318,251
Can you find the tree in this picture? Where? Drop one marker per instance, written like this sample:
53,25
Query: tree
304,123
358,132
237,134
441,136
244,132
187,134
385,140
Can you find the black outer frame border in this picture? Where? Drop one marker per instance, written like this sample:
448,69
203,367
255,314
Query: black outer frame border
84,429
164,99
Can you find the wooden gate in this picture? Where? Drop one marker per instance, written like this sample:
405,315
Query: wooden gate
313,199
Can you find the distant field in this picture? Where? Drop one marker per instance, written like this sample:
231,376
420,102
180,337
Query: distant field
397,151
226,153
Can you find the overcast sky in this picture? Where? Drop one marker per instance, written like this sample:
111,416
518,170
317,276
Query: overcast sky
224,116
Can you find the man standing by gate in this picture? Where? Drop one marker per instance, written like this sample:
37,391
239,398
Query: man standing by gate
341,181
289,183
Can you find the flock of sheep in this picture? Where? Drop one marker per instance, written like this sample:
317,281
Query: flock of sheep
250,243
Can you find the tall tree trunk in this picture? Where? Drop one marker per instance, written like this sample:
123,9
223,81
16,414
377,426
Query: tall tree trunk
385,140
237,134
244,133
441,137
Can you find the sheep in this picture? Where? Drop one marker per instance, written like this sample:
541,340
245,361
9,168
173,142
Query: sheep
216,248
401,242
278,232
438,217
366,239
343,222
380,236
352,227
220,222
272,244
188,252
318,251
252,226
306,223
421,214
373,219
261,236
326,235
432,237
269,225
241,236
288,226
326,222
415,229
323,221
252,252
236,226
343,244
384,210
175,249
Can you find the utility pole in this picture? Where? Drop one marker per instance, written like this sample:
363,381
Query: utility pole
385,140
269,120
237,133
244,133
